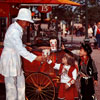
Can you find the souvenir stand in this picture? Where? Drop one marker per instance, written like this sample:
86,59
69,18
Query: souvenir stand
40,77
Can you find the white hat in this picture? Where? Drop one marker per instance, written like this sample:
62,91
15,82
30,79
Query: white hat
24,14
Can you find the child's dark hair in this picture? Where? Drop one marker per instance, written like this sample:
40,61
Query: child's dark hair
87,48
70,59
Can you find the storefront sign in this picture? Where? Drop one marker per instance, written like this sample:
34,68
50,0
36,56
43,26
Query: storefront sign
44,9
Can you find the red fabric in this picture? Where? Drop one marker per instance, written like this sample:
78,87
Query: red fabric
61,91
98,31
85,60
0,51
1,79
69,72
69,93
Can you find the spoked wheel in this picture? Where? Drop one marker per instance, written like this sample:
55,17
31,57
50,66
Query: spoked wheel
39,86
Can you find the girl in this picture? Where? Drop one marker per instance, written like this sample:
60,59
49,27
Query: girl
68,74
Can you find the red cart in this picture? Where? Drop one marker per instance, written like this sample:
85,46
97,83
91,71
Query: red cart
40,77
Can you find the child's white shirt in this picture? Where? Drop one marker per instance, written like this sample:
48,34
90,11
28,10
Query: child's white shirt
64,75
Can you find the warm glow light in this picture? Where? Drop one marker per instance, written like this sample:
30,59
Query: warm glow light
69,2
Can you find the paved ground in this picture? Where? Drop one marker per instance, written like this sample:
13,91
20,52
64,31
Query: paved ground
95,55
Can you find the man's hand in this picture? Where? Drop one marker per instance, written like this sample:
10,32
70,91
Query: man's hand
63,47
40,58
28,44
29,48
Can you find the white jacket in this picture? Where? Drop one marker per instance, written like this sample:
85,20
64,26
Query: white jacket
10,62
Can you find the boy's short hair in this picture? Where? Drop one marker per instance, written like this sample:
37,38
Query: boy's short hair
87,48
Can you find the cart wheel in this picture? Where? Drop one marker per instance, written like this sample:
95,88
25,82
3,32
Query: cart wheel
39,86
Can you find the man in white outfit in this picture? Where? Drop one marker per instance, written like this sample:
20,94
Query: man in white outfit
10,62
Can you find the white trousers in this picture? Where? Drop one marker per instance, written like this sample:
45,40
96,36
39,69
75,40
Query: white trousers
15,88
